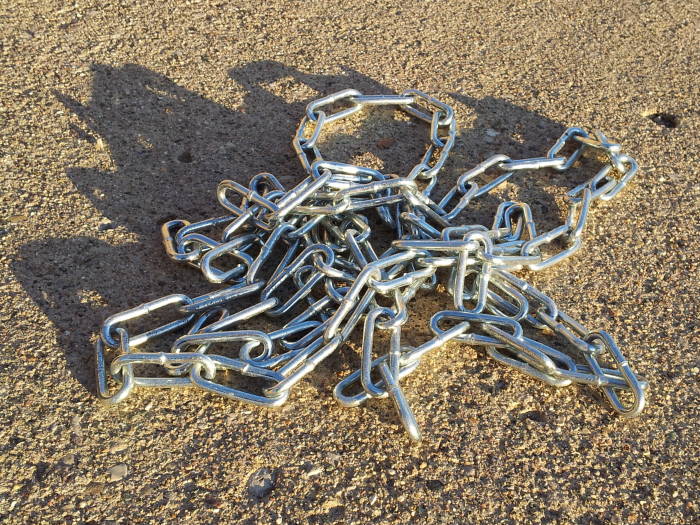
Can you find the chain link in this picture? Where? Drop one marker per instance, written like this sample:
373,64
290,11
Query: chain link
332,277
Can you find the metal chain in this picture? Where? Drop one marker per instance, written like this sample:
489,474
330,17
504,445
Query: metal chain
331,276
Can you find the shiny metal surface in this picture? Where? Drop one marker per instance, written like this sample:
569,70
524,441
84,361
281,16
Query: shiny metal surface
308,257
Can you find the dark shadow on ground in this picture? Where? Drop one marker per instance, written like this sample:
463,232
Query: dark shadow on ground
170,147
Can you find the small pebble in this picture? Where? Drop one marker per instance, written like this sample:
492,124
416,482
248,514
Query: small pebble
118,472
261,482
434,484
68,459
106,226
118,446
314,472
213,501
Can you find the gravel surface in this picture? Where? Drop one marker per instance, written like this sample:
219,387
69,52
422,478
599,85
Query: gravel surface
117,117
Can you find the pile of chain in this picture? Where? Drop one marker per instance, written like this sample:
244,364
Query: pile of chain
331,276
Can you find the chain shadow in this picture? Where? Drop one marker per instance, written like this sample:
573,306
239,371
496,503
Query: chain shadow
169,147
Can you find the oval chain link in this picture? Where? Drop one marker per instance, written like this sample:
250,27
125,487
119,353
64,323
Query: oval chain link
310,258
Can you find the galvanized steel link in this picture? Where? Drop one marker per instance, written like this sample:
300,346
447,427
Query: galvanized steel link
331,277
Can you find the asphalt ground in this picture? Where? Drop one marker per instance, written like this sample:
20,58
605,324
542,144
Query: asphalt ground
117,116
